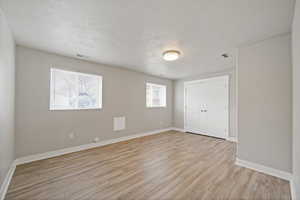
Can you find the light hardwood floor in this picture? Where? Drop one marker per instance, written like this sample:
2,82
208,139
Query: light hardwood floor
165,166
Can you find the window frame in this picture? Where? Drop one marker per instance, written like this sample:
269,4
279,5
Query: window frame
51,108
161,86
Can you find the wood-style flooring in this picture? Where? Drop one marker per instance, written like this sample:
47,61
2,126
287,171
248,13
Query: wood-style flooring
167,166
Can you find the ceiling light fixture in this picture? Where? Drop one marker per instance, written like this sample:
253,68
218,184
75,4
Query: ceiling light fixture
171,55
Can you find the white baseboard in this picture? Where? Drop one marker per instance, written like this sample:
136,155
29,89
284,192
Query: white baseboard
264,169
31,158
232,139
5,184
178,129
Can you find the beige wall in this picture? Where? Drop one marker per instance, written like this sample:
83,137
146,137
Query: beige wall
39,130
265,103
178,117
296,100
7,95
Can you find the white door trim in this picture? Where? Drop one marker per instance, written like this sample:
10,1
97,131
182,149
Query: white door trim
187,83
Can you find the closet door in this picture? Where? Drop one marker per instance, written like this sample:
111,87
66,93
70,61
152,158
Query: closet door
196,118
206,107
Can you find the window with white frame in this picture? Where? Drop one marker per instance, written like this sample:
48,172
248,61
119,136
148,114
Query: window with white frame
156,95
74,91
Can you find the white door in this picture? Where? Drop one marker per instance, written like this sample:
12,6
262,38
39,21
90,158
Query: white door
206,107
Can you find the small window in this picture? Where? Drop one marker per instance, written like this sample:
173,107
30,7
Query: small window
74,91
156,95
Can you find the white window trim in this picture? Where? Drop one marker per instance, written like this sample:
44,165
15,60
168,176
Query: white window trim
75,72
157,85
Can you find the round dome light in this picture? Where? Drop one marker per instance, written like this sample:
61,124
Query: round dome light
171,55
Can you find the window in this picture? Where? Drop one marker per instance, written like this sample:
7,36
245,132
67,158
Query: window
156,95
74,90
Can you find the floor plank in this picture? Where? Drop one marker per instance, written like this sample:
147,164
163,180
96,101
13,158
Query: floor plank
170,165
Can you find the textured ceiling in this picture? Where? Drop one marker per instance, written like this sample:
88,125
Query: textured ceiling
134,34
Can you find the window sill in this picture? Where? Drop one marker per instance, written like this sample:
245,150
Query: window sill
77,109
157,107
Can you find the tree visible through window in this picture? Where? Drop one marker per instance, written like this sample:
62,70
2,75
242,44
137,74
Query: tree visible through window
155,95
73,90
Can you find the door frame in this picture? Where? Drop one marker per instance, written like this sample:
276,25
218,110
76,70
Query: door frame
186,83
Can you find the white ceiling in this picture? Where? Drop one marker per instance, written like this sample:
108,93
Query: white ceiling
134,34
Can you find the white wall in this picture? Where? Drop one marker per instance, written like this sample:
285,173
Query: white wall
296,98
7,95
265,103
39,130
178,117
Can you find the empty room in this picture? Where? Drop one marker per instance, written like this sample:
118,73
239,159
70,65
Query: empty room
149,100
